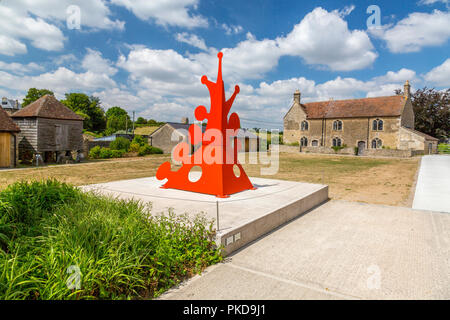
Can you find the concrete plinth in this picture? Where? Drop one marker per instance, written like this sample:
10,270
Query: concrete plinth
241,218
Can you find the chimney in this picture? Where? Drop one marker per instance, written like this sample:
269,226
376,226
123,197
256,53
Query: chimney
185,120
17,104
297,95
407,90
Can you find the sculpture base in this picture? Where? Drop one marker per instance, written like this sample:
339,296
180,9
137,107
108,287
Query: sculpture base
243,216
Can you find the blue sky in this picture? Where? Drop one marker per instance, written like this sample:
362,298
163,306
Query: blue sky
148,56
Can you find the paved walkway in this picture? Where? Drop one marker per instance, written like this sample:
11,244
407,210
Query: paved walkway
433,184
340,250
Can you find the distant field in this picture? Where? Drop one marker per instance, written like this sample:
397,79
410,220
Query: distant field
145,130
383,181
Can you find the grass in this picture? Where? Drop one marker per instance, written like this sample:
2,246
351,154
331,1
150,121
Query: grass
52,235
366,177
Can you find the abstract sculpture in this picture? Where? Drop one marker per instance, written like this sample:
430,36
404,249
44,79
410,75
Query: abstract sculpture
218,150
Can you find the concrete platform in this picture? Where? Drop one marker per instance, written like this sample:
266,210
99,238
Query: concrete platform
241,218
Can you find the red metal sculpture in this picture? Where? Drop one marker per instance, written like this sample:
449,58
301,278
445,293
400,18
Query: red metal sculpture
217,154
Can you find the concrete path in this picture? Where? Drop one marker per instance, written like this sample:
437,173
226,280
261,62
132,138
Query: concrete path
340,250
433,184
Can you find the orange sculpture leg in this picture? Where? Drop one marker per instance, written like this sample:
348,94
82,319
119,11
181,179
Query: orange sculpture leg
217,151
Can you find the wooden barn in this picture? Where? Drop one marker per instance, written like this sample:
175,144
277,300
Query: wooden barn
8,141
48,128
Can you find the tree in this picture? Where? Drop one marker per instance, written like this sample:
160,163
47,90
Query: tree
117,119
34,94
432,111
90,106
141,120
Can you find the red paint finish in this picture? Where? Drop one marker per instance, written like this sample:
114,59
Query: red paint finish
216,156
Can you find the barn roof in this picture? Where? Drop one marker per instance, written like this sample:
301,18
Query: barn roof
354,108
47,107
6,124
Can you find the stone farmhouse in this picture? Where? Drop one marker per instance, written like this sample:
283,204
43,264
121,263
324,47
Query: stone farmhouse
368,126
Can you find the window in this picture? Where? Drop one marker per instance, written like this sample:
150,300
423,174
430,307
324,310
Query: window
376,143
337,125
337,142
304,142
377,125
314,143
304,125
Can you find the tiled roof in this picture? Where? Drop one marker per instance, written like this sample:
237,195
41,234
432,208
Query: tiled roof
242,133
6,123
354,108
47,107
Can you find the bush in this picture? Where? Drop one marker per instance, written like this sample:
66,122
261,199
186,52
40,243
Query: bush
94,153
444,148
117,153
134,147
120,250
140,140
120,144
105,153
145,150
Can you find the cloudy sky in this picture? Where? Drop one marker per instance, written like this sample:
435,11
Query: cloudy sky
149,56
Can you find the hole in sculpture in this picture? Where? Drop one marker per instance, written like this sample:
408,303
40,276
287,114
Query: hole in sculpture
237,171
195,173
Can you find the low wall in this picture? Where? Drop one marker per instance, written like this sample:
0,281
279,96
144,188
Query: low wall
327,150
289,149
388,153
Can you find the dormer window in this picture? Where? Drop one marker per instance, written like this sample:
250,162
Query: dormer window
377,125
337,125
304,125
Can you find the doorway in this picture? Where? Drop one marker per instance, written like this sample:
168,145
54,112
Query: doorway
361,147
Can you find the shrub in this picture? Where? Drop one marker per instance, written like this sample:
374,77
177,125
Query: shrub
134,147
444,148
121,251
145,150
117,153
120,144
140,140
105,153
94,153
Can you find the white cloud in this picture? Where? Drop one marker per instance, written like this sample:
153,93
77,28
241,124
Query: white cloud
192,40
165,12
323,38
60,81
94,62
440,75
19,68
40,22
231,29
10,46
416,31
433,1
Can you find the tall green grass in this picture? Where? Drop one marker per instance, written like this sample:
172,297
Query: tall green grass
121,251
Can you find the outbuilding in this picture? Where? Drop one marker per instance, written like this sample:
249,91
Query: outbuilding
48,128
